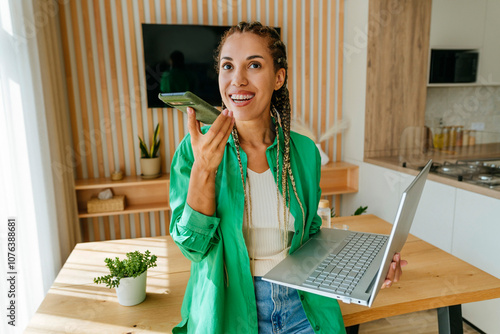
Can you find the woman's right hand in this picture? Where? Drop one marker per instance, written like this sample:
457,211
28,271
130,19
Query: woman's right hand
208,148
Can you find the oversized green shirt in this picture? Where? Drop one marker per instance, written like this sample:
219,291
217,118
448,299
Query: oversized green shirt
220,296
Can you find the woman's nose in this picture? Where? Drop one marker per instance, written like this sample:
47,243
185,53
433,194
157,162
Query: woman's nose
239,78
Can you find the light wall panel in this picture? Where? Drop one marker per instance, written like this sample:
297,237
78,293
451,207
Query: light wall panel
104,67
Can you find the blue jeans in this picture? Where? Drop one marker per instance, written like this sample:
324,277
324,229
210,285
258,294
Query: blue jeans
279,309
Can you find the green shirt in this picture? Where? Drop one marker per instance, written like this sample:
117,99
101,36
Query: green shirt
220,297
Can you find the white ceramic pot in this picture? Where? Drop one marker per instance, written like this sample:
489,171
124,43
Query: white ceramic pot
132,290
151,166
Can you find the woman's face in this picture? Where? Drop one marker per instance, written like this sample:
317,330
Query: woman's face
246,76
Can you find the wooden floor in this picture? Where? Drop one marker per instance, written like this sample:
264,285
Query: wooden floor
424,322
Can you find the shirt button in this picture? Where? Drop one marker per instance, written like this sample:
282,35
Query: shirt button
301,297
316,328
211,226
297,232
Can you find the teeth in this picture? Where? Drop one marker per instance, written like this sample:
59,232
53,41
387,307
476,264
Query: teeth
241,97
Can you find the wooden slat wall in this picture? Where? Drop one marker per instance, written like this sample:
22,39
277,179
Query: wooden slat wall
396,82
104,67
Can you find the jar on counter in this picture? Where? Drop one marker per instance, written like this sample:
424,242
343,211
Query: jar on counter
459,136
325,213
453,136
438,138
465,139
472,138
446,136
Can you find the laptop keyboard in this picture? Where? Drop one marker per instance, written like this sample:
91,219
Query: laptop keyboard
340,272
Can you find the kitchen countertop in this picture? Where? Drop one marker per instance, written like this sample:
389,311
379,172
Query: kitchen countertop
475,152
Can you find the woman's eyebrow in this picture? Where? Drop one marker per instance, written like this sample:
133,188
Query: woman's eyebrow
248,58
254,56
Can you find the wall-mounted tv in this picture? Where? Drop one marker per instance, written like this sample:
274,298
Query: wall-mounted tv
179,58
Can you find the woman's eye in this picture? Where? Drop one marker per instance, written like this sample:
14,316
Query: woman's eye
226,66
255,65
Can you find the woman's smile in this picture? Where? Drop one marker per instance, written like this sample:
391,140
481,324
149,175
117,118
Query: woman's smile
241,98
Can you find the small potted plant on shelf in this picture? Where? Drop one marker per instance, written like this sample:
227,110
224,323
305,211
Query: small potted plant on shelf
150,160
128,276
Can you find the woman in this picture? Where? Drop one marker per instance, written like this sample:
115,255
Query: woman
244,193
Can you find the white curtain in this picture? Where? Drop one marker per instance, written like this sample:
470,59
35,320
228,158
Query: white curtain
36,172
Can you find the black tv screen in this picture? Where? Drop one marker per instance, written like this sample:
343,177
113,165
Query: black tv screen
179,58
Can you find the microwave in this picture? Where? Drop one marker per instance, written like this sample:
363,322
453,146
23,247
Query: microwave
453,66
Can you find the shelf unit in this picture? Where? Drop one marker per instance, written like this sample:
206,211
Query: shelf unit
147,195
141,194
339,178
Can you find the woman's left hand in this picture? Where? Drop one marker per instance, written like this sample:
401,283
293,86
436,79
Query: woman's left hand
395,271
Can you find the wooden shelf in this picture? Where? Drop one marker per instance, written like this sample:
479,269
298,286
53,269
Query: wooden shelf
141,194
127,181
137,208
339,178
146,195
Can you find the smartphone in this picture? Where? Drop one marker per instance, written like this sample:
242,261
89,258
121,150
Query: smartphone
205,112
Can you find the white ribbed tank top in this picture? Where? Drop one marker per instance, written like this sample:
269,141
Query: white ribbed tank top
263,239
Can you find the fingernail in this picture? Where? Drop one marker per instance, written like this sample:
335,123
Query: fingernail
190,110
224,112
394,266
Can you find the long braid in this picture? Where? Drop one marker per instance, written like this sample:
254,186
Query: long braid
280,110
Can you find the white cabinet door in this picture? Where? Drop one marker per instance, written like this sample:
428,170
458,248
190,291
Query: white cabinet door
489,62
457,24
475,240
435,213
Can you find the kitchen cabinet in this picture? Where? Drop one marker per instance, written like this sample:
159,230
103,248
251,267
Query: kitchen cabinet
465,24
475,240
457,24
458,221
489,64
435,214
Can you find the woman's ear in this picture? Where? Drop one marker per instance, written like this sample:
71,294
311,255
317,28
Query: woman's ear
280,78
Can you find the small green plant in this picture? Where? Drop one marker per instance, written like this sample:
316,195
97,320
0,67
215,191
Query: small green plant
359,211
155,145
134,265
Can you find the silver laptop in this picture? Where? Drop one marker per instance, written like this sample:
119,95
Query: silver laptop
346,265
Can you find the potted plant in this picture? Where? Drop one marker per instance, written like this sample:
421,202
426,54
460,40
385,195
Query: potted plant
150,161
128,276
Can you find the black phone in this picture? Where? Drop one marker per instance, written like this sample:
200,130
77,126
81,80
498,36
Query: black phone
205,112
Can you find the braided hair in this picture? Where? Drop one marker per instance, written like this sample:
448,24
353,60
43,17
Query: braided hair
280,107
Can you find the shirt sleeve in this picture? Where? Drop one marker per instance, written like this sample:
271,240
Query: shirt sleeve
192,231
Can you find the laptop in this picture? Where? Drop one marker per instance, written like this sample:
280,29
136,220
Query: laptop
346,265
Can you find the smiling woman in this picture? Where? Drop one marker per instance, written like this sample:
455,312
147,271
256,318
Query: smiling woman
234,226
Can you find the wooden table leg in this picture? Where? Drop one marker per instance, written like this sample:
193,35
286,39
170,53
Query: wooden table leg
450,320
352,329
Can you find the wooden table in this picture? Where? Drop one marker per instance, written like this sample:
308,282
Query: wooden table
433,279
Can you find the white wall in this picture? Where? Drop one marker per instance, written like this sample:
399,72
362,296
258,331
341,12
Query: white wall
446,216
